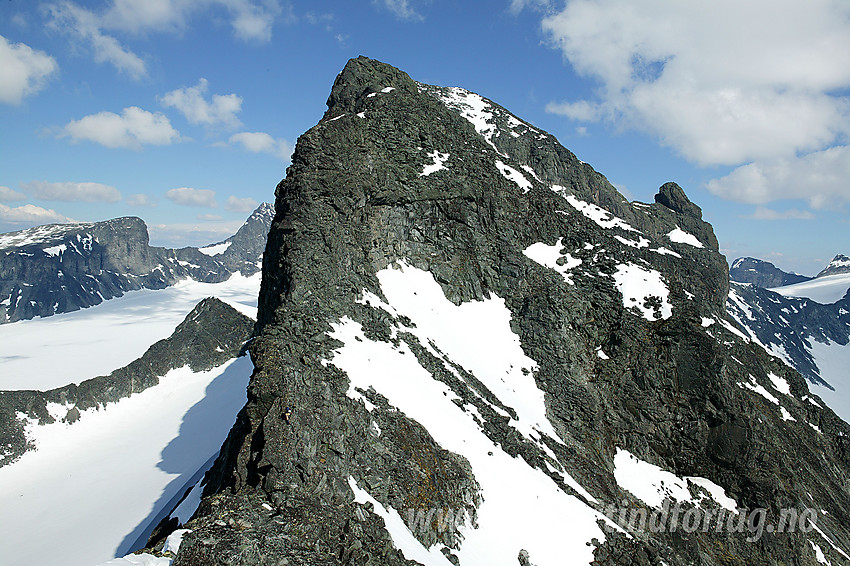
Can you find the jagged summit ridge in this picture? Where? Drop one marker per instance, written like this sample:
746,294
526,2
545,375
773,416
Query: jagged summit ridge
428,272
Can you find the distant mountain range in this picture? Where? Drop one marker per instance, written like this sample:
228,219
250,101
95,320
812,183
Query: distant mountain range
805,323
60,268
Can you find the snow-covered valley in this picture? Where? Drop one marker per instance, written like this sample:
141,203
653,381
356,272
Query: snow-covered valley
95,488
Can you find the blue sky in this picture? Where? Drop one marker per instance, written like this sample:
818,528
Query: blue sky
184,112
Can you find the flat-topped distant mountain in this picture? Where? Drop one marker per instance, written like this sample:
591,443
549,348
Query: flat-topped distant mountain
762,273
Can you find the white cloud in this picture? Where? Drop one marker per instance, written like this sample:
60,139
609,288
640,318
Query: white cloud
236,204
822,178
261,142
723,82
582,110
188,196
23,71
190,101
87,26
209,217
401,8
31,214
72,192
140,199
251,20
133,128
763,213
8,195
198,234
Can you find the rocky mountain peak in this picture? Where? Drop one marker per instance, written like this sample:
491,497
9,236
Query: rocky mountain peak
362,77
839,264
450,298
673,197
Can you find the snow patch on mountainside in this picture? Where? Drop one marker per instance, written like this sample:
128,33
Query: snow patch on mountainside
599,215
644,289
216,249
652,484
550,256
512,174
438,163
38,234
681,237
477,336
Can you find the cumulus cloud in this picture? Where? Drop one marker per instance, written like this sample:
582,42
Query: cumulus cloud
131,129
209,217
31,214
261,142
86,26
141,199
236,204
198,234
251,20
190,101
23,71
187,196
8,195
72,192
822,178
722,83
401,8
581,110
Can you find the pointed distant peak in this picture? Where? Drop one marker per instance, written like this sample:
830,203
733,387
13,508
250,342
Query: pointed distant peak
266,209
673,197
363,76
839,264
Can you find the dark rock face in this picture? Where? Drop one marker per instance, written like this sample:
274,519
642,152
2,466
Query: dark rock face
789,325
64,267
645,374
211,334
839,264
762,273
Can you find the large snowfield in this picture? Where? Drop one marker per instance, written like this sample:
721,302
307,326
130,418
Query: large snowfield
92,491
825,290
45,353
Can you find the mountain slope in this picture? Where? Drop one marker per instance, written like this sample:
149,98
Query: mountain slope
459,318
64,267
92,467
762,273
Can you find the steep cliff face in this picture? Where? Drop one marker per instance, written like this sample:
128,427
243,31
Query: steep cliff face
59,268
458,316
